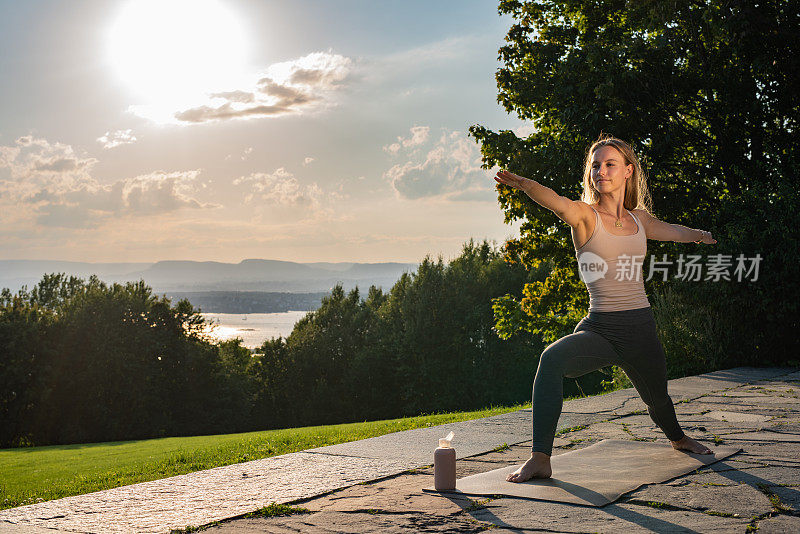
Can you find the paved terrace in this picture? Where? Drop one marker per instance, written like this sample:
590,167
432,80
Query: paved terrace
374,485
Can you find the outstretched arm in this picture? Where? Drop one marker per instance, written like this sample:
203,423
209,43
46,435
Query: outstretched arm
569,211
662,231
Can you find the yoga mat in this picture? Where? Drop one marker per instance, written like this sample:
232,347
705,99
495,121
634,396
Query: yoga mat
596,475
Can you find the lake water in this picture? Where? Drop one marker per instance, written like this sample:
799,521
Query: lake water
253,328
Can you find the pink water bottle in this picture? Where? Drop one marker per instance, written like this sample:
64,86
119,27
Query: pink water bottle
444,465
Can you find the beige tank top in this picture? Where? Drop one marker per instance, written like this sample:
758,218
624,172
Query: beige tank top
611,267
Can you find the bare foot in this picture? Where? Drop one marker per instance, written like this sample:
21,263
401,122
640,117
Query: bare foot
688,444
538,466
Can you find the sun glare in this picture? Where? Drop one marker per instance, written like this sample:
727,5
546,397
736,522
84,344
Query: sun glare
171,52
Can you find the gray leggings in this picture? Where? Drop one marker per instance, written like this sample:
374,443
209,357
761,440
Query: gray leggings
626,339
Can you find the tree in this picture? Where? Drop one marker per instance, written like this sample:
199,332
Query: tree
439,321
81,361
24,353
705,92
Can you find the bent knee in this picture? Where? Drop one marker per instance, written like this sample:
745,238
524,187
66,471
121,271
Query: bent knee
551,358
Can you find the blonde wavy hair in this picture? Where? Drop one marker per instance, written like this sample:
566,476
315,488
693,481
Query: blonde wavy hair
637,195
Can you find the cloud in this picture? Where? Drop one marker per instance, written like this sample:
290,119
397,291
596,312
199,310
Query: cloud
37,159
117,138
87,204
282,195
419,135
280,187
449,168
225,111
52,183
160,192
245,97
284,96
318,70
60,165
244,155
290,87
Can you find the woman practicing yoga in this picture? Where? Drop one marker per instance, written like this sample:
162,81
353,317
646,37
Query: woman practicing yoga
610,225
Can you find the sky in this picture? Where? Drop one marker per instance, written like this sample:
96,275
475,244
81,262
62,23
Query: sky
222,130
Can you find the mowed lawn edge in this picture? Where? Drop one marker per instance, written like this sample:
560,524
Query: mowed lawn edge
34,474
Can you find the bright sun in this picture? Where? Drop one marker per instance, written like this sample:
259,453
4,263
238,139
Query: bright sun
174,51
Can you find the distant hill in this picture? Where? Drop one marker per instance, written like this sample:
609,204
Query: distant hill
203,276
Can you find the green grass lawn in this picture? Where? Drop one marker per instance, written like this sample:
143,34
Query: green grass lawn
35,474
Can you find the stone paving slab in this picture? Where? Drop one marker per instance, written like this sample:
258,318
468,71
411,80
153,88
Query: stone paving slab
415,447
614,518
779,525
224,492
762,436
11,528
731,472
738,417
695,386
744,500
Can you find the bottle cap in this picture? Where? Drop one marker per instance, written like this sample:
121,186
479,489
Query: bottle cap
445,441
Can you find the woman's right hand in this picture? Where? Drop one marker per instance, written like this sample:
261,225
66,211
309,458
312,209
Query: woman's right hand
510,179
707,239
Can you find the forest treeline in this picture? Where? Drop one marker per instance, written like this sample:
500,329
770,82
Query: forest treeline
82,361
